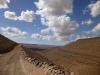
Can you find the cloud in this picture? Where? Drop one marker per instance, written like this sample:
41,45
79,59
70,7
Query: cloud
35,36
77,37
44,20
94,8
96,28
53,15
45,31
54,7
62,26
13,32
83,35
10,15
3,4
27,16
43,37
87,22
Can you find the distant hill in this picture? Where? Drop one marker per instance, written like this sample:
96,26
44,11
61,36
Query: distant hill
37,46
81,57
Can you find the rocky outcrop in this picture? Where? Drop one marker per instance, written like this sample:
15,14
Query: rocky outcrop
48,67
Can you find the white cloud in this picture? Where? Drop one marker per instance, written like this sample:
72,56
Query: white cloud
52,14
45,31
62,26
26,16
10,15
54,7
8,1
44,37
96,28
81,37
87,22
95,8
39,36
3,4
36,36
13,32
44,20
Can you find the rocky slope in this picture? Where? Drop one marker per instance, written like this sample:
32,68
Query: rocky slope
23,61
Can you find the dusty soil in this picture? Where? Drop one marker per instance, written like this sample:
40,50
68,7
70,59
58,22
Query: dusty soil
81,57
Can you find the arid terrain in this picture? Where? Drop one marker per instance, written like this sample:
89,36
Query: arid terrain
78,58
81,57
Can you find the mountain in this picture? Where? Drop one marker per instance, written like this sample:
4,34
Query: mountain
80,58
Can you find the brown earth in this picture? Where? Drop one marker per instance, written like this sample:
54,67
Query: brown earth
19,60
78,58
6,45
81,57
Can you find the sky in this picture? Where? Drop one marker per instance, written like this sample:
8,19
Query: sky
52,22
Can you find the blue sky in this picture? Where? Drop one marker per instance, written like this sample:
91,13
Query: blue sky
49,22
